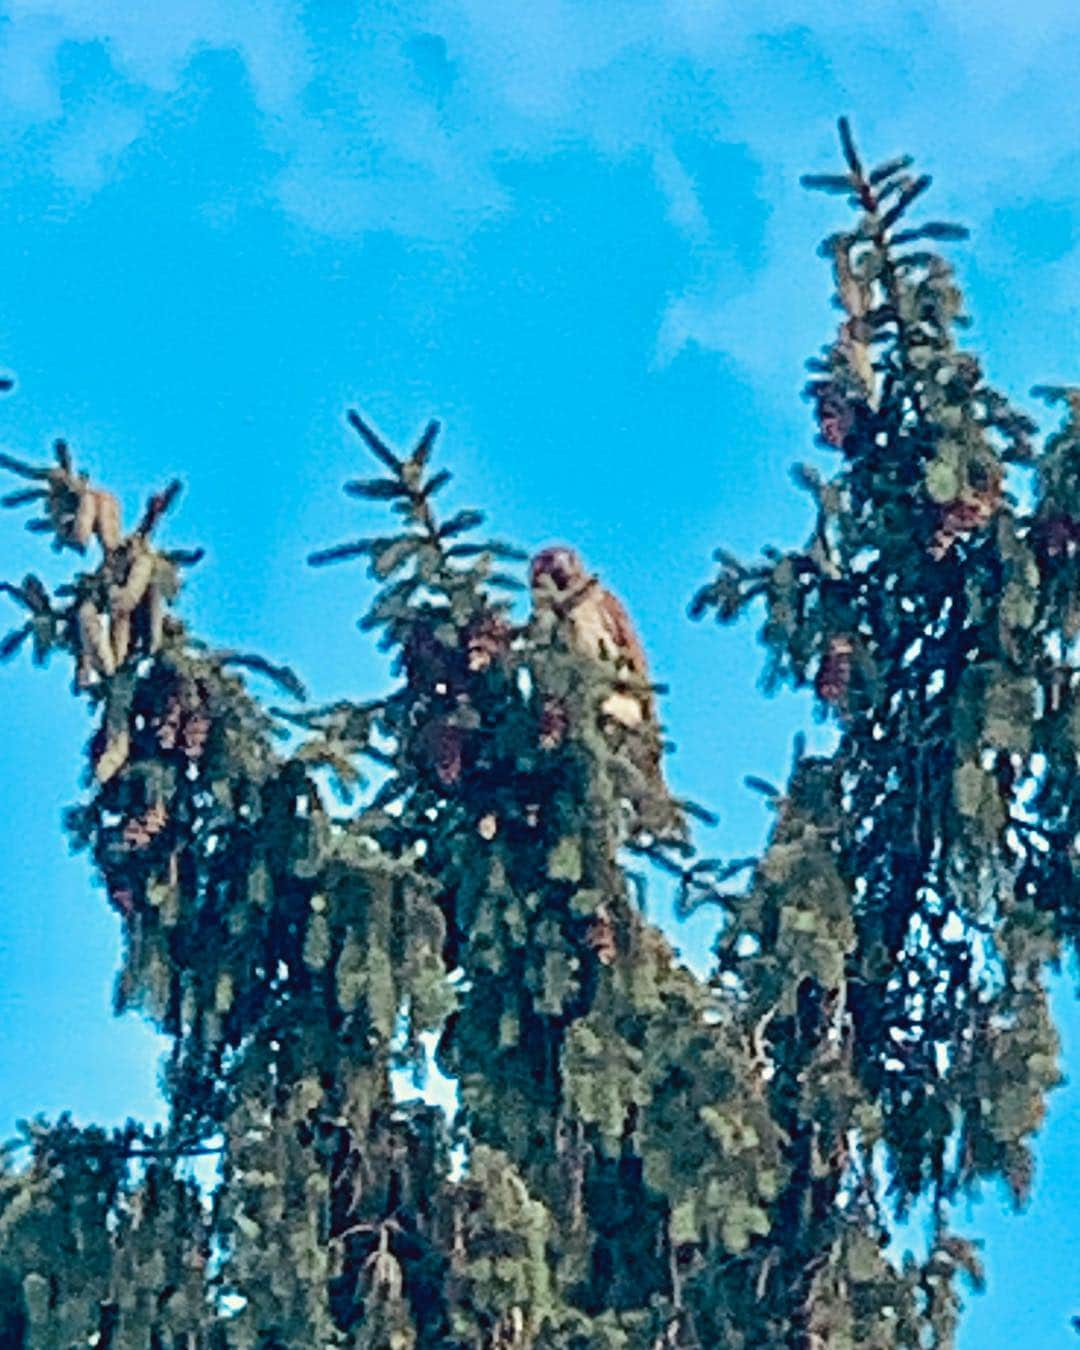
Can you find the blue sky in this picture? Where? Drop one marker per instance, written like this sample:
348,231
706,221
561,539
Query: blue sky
574,232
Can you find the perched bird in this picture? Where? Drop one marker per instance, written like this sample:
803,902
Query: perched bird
597,626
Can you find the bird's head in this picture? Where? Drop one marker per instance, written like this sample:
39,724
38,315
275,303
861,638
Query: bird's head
557,569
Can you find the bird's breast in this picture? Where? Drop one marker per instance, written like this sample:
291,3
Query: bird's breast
592,635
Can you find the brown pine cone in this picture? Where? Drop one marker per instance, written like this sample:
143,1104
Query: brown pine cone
168,726
141,831
82,525
1059,534
122,898
448,747
601,938
964,516
156,816
488,637
110,753
835,415
196,733
554,722
854,347
834,673
107,522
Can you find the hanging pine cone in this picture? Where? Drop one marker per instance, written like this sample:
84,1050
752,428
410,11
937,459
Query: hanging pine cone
834,673
185,724
554,722
971,511
169,724
429,664
140,831
135,836
438,750
964,516
853,345
1059,534
83,521
601,938
449,743
196,732
110,753
488,638
122,898
835,415
107,522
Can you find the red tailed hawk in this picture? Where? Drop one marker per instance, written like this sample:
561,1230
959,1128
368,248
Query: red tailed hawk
597,626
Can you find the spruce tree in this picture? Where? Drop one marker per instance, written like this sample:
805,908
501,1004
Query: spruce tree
921,879
312,896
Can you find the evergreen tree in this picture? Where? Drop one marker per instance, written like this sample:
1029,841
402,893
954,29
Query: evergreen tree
922,879
642,1158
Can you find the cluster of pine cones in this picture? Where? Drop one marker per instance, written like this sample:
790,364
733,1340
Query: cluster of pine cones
972,511
184,726
432,667
141,831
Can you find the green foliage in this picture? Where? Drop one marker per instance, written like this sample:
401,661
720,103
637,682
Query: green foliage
107,1237
904,934
641,1158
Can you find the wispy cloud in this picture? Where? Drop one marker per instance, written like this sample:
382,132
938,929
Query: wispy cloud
150,50
81,80
403,121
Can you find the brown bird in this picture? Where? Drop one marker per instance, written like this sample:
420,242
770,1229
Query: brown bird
597,626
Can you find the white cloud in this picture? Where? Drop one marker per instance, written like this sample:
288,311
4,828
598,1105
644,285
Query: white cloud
146,58
679,190
151,50
366,136
88,156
